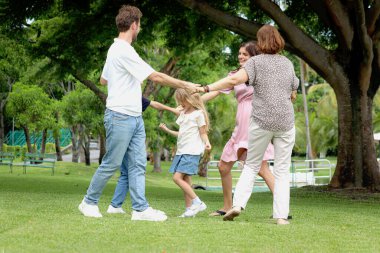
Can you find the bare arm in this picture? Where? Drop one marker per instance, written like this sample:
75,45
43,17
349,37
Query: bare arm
164,79
103,81
211,95
228,82
158,106
166,129
204,137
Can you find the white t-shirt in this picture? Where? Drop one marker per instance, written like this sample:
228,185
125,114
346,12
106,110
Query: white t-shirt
189,140
124,71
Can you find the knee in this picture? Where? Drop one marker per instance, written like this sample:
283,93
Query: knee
176,179
264,170
224,169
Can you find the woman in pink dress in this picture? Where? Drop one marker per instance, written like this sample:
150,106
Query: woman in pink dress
236,148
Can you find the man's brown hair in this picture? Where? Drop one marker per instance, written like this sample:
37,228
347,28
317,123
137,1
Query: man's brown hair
269,40
127,15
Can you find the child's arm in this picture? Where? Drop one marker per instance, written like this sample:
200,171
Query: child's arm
158,106
211,95
204,137
166,129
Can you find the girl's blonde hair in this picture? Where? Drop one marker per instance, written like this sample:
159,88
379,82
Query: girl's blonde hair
195,100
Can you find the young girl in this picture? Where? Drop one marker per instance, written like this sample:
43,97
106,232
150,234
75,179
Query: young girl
192,140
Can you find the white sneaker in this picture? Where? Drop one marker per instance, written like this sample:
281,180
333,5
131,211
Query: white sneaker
113,210
149,214
184,215
282,222
194,209
89,210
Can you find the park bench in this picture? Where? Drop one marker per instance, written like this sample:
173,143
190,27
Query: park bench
40,161
6,158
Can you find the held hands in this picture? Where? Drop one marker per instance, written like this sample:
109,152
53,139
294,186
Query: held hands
163,126
202,89
191,87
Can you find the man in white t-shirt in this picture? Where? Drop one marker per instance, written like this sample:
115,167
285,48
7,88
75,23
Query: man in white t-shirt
123,72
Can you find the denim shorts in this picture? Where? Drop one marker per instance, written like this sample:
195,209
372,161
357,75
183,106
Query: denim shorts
185,164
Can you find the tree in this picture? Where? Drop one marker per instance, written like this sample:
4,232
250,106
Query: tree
82,111
340,41
13,60
32,110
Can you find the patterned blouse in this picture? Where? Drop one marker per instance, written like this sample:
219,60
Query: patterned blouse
273,79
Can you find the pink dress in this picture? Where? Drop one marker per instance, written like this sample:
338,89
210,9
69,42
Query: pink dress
239,138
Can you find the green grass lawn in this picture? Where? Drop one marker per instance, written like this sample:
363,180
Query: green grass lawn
38,213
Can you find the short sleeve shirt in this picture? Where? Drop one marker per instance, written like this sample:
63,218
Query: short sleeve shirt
124,71
189,140
273,79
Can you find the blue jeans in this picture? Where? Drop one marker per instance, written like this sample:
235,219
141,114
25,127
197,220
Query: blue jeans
125,143
122,186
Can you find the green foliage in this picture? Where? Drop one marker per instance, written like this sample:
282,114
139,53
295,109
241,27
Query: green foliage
323,120
376,113
81,106
50,148
30,107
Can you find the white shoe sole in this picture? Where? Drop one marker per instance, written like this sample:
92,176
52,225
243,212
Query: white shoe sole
142,219
80,207
200,209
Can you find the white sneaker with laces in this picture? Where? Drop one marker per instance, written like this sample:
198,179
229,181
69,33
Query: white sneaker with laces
113,210
149,214
194,209
89,210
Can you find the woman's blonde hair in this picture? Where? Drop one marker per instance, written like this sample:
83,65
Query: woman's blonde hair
269,40
195,100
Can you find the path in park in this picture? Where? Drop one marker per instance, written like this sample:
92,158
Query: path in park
94,156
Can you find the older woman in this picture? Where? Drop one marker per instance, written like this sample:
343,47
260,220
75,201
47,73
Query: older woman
272,119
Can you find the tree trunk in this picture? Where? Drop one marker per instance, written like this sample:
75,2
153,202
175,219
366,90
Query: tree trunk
157,161
86,150
75,144
102,147
27,138
43,141
85,147
357,166
58,147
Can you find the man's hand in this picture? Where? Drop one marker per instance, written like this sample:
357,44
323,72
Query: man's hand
191,87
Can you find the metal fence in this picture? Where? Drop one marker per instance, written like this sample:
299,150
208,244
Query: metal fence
302,172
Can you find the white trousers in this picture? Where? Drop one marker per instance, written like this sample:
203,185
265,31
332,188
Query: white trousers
258,141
